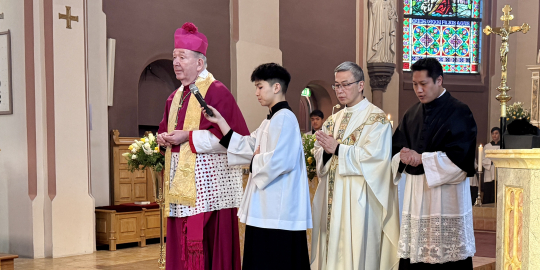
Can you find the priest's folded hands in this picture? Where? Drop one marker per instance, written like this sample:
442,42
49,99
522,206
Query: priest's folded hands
328,143
410,157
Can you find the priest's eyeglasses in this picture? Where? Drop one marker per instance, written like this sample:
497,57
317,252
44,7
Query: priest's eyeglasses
344,86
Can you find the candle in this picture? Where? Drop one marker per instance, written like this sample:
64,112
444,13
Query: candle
391,122
480,155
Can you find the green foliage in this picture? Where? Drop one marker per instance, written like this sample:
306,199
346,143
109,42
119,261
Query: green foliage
516,111
311,164
144,153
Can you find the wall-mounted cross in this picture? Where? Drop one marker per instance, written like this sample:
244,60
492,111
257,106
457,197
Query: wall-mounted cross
68,17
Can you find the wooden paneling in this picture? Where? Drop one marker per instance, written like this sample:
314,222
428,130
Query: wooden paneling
127,187
114,228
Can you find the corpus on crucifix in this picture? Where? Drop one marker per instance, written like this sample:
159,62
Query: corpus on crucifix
505,31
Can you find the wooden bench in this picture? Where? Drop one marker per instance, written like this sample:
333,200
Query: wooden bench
6,261
120,224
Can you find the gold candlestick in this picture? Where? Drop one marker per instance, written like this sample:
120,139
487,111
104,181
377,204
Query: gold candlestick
505,31
160,200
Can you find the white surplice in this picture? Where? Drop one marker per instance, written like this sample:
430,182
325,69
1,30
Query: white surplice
436,223
277,192
489,169
364,221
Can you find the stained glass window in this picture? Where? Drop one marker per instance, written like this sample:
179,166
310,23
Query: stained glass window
448,30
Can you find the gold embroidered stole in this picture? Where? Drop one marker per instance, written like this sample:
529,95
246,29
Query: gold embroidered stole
350,140
182,189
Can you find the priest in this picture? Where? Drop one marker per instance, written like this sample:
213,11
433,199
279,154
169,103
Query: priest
355,208
201,191
434,145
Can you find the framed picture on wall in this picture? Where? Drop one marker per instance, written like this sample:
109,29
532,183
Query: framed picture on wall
6,99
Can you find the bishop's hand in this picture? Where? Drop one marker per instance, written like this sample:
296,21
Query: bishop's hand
161,141
176,137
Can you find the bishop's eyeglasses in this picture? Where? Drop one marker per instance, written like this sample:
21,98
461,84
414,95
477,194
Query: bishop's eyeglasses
343,86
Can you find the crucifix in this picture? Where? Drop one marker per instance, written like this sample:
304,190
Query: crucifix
68,17
505,31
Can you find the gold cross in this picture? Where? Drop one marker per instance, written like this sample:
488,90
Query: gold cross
504,32
68,17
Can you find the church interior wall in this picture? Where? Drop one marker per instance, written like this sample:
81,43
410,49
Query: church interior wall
324,97
253,47
15,203
314,43
72,208
97,88
523,52
140,41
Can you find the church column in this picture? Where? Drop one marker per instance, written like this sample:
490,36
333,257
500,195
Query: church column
72,207
252,47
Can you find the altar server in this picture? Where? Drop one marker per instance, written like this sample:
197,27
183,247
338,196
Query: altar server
275,206
434,145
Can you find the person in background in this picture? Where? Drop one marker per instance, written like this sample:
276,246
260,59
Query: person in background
488,188
317,119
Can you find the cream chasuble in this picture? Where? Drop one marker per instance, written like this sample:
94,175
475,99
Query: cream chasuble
355,208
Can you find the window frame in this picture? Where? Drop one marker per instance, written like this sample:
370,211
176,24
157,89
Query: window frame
459,82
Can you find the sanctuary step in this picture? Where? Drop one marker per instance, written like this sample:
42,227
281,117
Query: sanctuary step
6,261
485,217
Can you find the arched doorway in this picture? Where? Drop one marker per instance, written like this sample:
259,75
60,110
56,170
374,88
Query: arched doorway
316,95
156,83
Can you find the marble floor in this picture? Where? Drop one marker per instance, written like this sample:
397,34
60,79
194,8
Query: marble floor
133,258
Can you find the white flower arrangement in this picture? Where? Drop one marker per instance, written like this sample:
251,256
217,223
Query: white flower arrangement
144,153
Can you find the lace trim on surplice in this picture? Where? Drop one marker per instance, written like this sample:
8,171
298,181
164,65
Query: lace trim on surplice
436,239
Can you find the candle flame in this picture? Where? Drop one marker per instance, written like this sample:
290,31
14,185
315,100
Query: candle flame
388,116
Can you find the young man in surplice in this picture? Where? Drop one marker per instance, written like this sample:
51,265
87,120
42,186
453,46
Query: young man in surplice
275,206
434,145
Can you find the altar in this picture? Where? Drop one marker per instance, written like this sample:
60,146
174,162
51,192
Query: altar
518,207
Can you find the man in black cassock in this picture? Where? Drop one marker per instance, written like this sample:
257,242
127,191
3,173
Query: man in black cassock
434,145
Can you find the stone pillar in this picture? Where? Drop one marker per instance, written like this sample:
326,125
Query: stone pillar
46,206
380,75
72,205
252,47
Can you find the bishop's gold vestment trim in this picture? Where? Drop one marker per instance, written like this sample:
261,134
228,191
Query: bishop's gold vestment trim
182,188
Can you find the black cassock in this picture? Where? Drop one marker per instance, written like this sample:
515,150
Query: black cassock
446,125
